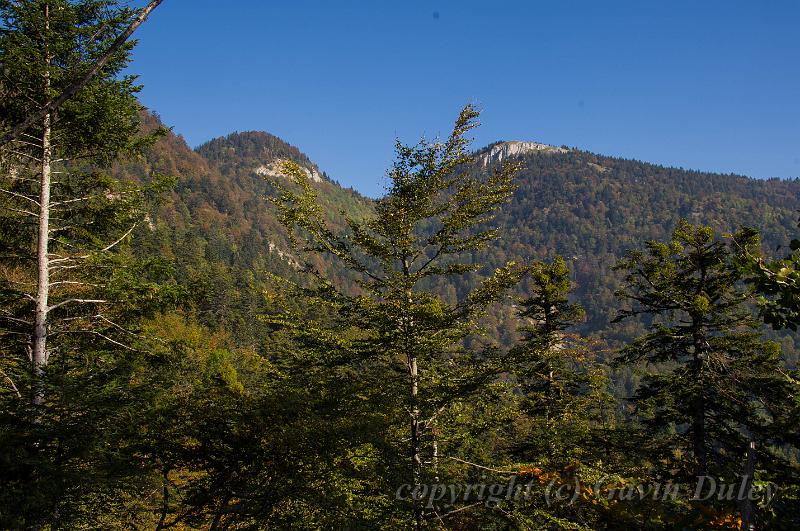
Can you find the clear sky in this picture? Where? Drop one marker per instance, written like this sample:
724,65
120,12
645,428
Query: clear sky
711,85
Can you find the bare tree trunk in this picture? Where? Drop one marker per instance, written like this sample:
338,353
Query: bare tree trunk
413,373
699,437
164,500
39,339
416,461
435,453
748,516
700,354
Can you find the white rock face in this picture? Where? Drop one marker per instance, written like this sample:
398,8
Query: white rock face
283,256
273,170
598,167
515,148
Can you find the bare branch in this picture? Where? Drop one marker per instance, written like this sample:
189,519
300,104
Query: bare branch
21,211
445,515
14,333
495,470
25,155
115,325
79,301
77,283
88,197
120,238
25,197
26,143
96,333
16,320
11,382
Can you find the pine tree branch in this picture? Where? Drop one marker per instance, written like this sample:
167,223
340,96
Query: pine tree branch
21,211
454,511
24,155
73,88
114,244
98,334
76,283
80,301
495,470
93,196
15,319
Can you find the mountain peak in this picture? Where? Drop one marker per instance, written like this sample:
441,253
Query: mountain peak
514,148
259,152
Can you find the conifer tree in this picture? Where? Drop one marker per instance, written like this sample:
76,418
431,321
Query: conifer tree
713,388
55,195
70,290
551,362
778,284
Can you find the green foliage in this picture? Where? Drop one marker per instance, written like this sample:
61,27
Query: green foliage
65,457
255,367
711,382
778,283
591,209
405,343
101,120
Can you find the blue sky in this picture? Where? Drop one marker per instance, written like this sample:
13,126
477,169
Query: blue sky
710,85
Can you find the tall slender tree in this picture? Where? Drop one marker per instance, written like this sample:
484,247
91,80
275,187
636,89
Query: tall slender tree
405,342
68,290
554,365
53,191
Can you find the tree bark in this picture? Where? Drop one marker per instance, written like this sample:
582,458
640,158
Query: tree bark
699,343
435,453
748,512
699,437
39,339
164,500
416,461
413,373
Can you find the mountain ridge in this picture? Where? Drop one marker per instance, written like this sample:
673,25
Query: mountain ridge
220,229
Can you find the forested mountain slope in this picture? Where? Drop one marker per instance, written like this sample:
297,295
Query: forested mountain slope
591,209
222,233
232,391
216,226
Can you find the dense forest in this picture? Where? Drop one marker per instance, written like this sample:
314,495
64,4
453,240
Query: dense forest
226,338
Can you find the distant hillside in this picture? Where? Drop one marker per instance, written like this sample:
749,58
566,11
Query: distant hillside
590,209
222,235
217,227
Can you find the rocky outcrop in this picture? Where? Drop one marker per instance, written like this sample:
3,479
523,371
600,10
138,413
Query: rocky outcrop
273,170
503,150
